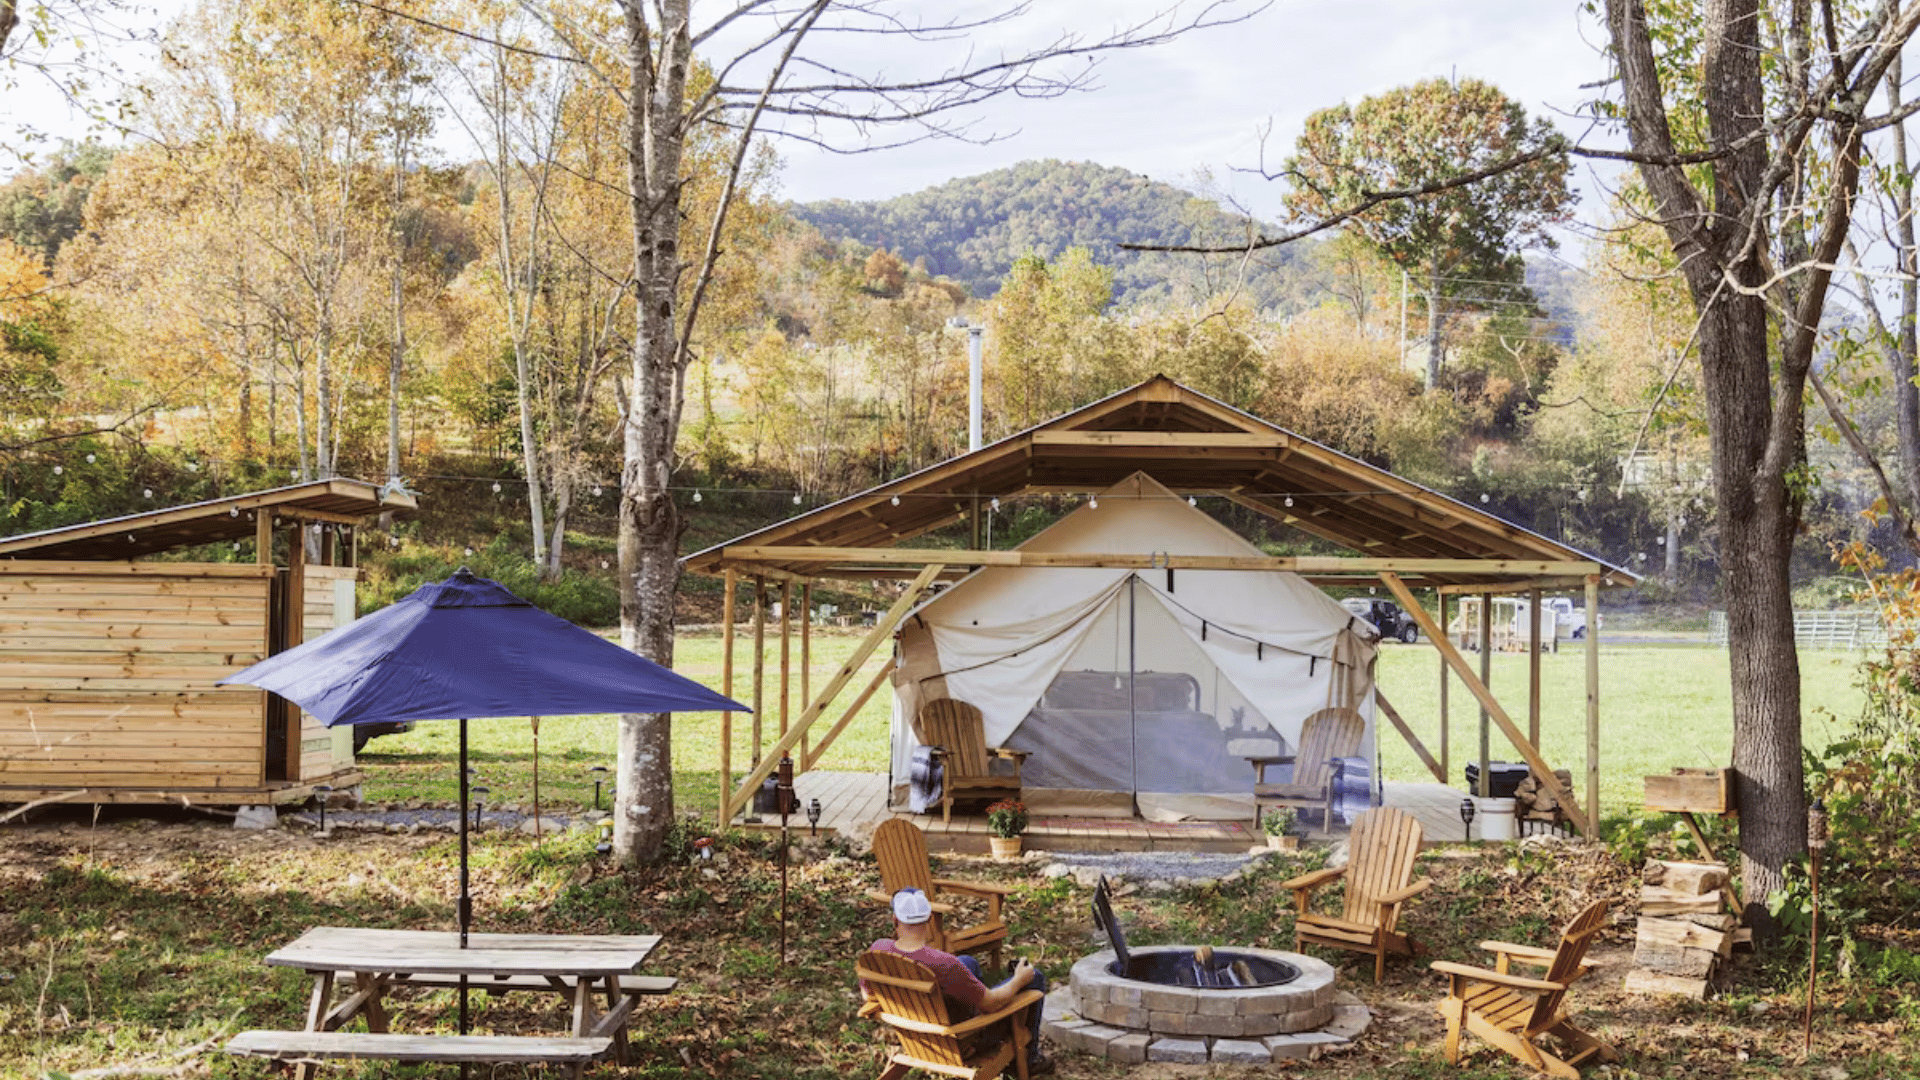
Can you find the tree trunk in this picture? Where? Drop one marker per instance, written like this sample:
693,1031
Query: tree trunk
1435,324
649,520
1904,348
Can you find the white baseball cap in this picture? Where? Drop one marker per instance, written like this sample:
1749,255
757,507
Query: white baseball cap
912,907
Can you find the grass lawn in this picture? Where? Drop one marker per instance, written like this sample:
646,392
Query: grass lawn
1661,706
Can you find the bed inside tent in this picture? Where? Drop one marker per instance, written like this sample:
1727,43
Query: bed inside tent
1138,692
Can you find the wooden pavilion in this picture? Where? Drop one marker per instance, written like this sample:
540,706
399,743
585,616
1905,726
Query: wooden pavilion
1402,536
108,659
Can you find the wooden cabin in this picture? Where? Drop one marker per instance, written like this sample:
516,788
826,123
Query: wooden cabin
108,657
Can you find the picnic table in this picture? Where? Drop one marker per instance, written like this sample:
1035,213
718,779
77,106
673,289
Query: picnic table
366,963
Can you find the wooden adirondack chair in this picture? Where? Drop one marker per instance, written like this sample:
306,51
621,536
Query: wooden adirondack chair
1327,734
1511,1011
903,995
956,729
1379,875
901,849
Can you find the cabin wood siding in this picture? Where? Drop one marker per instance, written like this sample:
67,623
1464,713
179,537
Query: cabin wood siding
107,674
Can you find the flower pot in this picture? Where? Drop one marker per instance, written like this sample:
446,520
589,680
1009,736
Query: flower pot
1005,847
1283,843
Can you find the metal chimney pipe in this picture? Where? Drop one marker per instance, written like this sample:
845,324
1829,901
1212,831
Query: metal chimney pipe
974,334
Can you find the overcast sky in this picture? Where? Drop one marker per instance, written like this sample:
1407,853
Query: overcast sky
1202,101
1175,110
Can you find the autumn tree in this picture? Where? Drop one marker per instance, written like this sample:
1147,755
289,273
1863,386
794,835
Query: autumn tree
1776,102
1459,243
779,73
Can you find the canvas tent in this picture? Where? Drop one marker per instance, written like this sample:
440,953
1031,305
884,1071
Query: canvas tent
1135,688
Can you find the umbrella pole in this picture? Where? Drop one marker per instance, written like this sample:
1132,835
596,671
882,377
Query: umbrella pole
463,907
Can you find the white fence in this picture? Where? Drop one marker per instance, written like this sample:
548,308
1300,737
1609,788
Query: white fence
1819,629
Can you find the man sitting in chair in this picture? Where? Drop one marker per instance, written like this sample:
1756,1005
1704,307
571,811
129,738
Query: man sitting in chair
959,976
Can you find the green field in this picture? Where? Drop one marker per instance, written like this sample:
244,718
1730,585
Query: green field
1661,706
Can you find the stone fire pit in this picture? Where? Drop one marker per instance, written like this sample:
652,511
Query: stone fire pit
1176,1003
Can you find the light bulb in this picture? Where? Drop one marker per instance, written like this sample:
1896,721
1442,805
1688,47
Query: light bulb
58,469
696,496
1289,500
1191,501
1093,502
233,511
603,564
236,545
896,500
469,553
91,459
193,466
1483,497
146,493
496,488
996,504
596,491
393,541
796,498
130,539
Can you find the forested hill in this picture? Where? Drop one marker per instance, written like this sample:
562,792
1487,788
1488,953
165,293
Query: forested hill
972,229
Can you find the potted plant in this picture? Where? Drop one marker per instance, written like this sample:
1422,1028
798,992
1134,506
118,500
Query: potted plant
1279,828
1008,819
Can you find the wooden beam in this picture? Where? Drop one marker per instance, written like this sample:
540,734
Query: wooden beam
726,689
1161,440
1419,748
1486,680
806,656
882,630
786,651
1446,744
120,568
759,669
1593,698
1152,561
1458,663
811,761
1533,667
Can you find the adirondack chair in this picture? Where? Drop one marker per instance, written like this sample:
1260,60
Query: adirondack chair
1327,734
956,729
904,997
1379,876
1511,1011
901,849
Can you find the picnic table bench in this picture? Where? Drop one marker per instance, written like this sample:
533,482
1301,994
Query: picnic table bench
368,963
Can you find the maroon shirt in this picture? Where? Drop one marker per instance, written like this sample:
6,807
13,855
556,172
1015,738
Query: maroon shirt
955,980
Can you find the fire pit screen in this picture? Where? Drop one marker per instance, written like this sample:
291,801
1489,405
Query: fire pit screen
1203,967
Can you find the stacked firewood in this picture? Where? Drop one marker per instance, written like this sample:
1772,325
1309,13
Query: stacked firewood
1535,801
1688,926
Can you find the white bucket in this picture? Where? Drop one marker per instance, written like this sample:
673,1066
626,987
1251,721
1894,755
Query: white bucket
1496,818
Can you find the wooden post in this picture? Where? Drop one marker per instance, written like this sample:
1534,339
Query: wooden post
1533,668
882,630
806,657
759,662
1461,668
1485,787
1593,699
786,650
296,633
726,688
1446,745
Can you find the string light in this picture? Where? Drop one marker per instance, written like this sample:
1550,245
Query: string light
603,564
796,498
496,487
1483,497
896,500
1191,501
596,491
233,511
91,459
146,493
1289,500
1093,502
696,496
58,469
996,504
193,466
469,553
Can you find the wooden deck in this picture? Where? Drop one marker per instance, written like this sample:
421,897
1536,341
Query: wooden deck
853,802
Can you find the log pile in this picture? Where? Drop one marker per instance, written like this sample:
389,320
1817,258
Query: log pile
1535,802
1688,926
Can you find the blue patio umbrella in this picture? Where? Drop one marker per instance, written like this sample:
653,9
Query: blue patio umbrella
465,648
